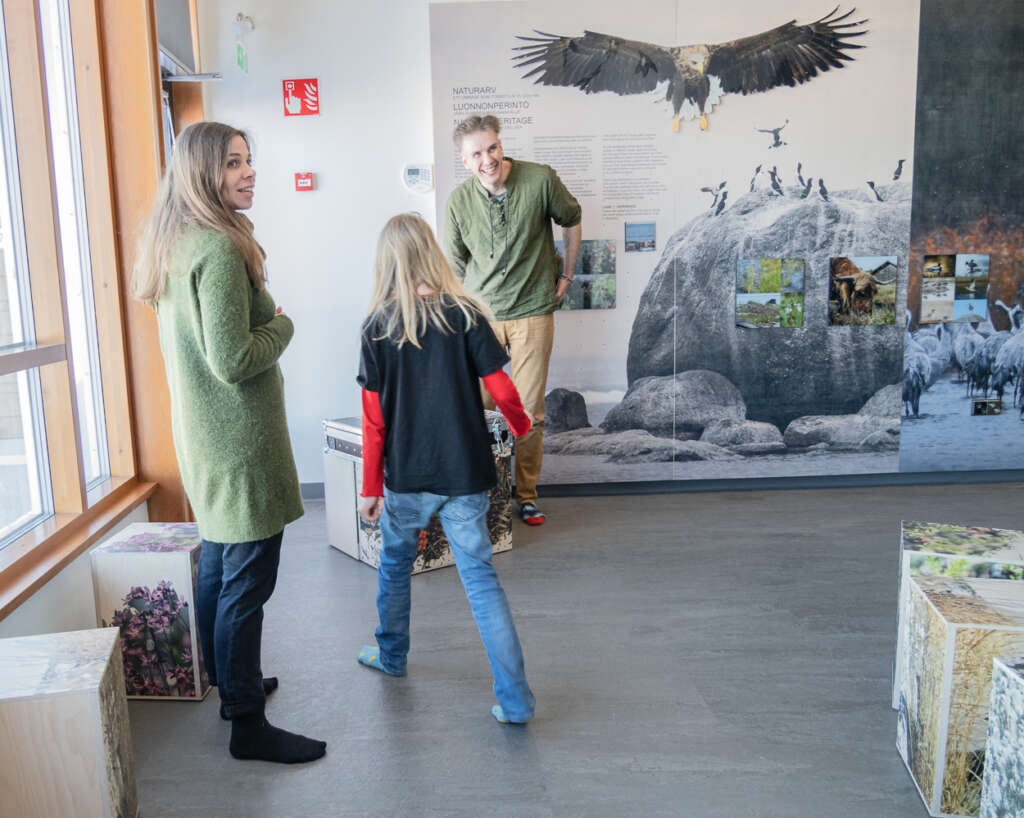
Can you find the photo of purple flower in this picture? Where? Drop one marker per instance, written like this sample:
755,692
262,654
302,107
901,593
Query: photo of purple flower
156,643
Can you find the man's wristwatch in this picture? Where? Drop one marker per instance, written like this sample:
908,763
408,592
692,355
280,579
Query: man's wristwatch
564,277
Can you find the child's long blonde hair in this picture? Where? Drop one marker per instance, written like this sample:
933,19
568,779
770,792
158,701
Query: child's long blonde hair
408,257
190,194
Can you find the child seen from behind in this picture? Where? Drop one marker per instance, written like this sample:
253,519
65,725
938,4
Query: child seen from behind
426,345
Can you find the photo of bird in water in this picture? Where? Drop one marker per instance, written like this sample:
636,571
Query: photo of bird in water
696,75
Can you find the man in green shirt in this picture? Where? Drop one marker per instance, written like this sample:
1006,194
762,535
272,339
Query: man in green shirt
498,237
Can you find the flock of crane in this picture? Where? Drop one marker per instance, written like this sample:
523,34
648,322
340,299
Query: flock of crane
987,361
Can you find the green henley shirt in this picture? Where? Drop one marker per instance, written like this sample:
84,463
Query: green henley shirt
505,251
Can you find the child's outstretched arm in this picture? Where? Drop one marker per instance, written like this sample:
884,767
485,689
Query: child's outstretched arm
373,458
506,398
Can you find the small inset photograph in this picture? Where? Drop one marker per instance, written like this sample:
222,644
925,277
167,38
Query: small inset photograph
969,289
748,270
792,275
590,292
939,266
862,290
791,311
640,237
938,290
593,286
971,312
755,310
770,279
937,300
986,406
970,265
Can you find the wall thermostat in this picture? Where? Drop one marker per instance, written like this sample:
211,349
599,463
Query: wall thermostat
418,178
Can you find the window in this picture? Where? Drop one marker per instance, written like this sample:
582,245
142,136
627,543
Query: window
74,237
24,479
55,461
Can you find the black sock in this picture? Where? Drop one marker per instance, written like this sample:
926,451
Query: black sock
253,737
269,686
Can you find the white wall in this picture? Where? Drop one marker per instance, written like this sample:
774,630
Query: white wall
372,61
66,602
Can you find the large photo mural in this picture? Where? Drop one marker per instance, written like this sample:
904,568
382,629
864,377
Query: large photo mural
716,141
967,244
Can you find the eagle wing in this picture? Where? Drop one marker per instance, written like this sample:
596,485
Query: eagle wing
787,55
596,62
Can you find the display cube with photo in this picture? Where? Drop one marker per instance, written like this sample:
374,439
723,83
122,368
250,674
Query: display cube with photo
343,484
957,551
144,580
67,744
954,629
1002,790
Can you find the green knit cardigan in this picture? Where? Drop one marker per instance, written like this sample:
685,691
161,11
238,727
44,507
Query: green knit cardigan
221,342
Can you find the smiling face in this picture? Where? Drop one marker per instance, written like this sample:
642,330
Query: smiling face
483,157
239,177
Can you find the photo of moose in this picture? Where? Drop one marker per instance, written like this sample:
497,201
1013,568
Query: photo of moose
770,292
862,290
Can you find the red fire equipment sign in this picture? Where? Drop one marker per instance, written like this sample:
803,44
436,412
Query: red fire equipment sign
301,97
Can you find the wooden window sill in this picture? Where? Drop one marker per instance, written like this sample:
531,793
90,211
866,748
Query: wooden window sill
35,558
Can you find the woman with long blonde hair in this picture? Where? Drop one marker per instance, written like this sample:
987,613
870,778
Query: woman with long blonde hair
426,345
200,267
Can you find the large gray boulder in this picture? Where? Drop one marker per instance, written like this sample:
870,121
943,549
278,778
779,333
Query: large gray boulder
844,433
740,433
677,406
564,410
686,316
887,402
633,446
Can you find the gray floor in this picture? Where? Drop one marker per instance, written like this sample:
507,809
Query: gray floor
720,654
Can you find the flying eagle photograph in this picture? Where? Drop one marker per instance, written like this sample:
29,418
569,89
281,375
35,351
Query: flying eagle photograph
696,75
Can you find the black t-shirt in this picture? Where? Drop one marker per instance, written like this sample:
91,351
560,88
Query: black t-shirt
436,438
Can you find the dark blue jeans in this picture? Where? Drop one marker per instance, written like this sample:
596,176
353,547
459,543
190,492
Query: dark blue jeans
234,582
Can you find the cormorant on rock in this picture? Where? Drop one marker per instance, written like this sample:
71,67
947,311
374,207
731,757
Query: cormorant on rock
776,181
776,142
799,176
875,191
899,170
807,188
753,178
721,203
822,190
714,192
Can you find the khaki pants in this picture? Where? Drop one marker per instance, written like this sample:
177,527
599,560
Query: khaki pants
528,341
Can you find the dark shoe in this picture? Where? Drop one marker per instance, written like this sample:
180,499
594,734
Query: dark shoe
530,514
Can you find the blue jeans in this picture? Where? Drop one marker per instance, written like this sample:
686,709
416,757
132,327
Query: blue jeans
234,582
465,523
